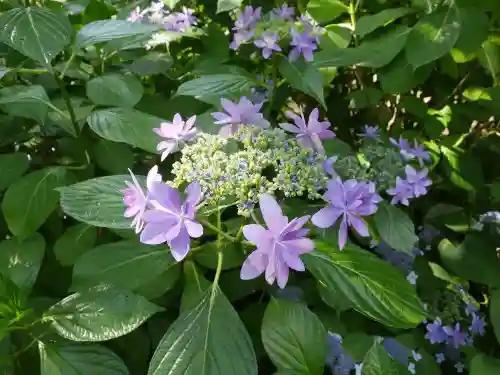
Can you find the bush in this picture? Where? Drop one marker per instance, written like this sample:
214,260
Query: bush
220,187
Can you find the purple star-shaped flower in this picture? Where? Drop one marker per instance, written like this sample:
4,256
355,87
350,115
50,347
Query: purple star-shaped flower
440,358
435,332
350,201
402,192
396,350
268,44
135,15
478,325
170,220
239,38
136,199
328,166
455,336
303,44
418,180
248,18
419,153
372,132
412,278
309,135
279,247
242,113
176,133
470,309
284,13
402,144
180,21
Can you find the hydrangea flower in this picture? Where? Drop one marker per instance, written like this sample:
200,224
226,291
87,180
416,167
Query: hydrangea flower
242,113
459,366
372,132
350,200
435,332
402,144
136,199
239,38
170,220
418,180
328,166
412,278
339,362
136,15
268,44
309,135
455,336
285,12
278,247
478,325
418,152
176,133
303,44
180,21
243,26
402,192
440,358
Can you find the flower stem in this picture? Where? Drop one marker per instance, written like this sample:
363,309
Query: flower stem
218,271
67,101
218,231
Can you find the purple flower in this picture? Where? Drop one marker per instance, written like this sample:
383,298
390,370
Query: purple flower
267,43
370,132
440,358
284,13
419,153
411,368
328,166
418,180
459,367
309,135
412,278
303,44
470,309
350,201
396,350
335,348
242,113
176,133
247,19
135,15
416,355
478,325
402,144
136,199
239,38
170,221
455,336
435,332
278,247
402,192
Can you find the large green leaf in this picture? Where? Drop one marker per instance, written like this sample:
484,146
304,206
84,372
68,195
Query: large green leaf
294,338
489,57
216,85
12,166
378,362
113,30
474,259
374,287
25,101
126,264
74,242
464,169
367,24
29,201
127,126
372,53
79,359
113,157
400,77
36,32
115,90
326,10
395,228
484,365
207,339
100,313
21,260
433,36
304,77
98,201
473,32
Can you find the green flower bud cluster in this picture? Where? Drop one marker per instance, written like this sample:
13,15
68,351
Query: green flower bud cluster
250,163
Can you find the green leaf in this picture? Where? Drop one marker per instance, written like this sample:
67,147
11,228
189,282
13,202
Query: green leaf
372,53
495,313
29,201
433,36
378,362
399,76
304,77
78,359
227,5
36,32
367,24
112,157
336,36
100,313
395,227
98,201
152,63
375,288
207,339
233,255
21,260
112,30
115,90
294,338
125,264
326,10
25,101
474,259
12,166
489,57
473,32
463,168
335,300
127,126
215,85
75,241
484,365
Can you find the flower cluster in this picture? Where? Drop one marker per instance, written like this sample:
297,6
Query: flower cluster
399,260
401,353
267,31
157,13
339,362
